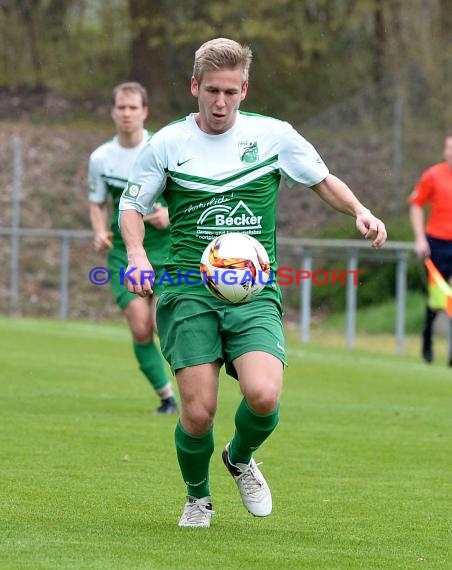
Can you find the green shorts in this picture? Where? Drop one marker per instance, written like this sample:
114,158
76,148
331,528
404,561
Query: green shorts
117,260
195,329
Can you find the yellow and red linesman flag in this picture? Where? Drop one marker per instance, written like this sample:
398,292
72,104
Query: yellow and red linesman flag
439,290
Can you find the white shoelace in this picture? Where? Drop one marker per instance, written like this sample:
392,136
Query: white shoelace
251,480
196,513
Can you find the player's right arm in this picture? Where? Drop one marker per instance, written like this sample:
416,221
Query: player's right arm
139,273
420,195
98,201
146,182
98,216
421,245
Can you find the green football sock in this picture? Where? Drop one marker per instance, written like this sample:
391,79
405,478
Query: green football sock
194,453
251,430
151,364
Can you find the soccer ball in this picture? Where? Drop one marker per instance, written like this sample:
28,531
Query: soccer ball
235,267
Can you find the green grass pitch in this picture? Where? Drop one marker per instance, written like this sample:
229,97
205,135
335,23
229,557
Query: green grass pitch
360,465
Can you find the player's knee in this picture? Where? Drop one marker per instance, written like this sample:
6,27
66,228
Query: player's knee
142,333
197,419
264,401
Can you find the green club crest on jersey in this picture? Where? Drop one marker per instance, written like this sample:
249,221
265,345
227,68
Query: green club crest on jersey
132,190
248,151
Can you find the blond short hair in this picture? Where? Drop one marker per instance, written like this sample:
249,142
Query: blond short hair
222,53
130,87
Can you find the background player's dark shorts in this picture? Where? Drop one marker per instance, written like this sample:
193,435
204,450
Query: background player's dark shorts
117,259
441,255
196,329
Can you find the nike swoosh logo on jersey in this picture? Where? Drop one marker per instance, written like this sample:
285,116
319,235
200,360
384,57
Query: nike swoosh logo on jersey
280,347
179,163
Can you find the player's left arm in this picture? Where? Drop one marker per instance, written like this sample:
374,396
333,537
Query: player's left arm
158,217
339,196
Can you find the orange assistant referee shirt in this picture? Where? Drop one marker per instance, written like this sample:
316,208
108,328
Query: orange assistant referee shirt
435,188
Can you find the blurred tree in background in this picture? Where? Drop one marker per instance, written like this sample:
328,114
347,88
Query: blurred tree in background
308,54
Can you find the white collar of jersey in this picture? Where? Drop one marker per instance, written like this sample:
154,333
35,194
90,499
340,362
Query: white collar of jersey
142,142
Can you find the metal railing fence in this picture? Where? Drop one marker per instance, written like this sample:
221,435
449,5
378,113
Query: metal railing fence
305,252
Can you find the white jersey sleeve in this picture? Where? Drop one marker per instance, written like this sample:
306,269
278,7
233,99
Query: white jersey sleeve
97,188
147,178
298,159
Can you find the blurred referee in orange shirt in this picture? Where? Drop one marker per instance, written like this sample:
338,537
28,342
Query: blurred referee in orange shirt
435,239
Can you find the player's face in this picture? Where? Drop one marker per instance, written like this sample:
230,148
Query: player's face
128,112
448,150
219,95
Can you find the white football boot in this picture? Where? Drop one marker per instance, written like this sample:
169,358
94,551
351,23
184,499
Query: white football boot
253,488
197,512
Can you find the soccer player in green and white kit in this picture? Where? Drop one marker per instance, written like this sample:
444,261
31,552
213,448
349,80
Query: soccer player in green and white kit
219,171
109,168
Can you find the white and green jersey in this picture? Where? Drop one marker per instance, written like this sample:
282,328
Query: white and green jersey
221,183
108,171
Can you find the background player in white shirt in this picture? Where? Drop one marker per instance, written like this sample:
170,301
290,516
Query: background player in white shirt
109,167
